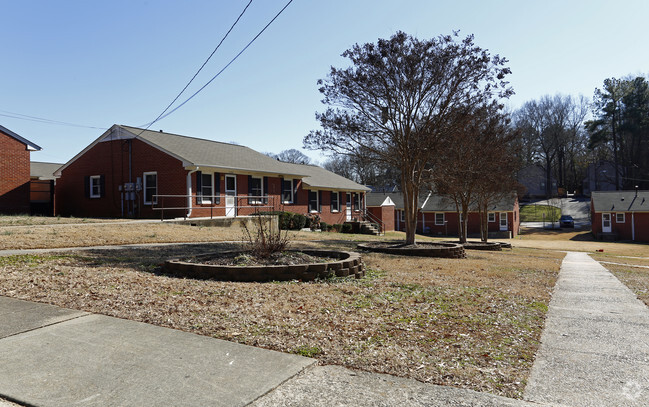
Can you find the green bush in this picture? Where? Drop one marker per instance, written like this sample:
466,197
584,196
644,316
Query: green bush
338,227
299,221
346,228
324,226
285,220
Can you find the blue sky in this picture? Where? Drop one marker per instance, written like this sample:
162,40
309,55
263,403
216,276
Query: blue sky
97,63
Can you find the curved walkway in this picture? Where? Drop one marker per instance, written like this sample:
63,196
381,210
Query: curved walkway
595,345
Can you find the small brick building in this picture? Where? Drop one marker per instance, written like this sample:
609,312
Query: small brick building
438,216
620,215
131,172
14,171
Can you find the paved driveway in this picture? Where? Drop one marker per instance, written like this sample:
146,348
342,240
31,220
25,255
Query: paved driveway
578,208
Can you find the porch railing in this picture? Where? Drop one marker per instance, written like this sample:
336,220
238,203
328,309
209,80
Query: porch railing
370,217
249,204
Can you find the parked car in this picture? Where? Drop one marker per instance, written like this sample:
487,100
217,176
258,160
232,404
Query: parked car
566,221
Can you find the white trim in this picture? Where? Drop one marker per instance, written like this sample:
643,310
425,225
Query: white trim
437,223
357,201
91,190
145,187
609,229
503,226
338,205
230,196
207,199
292,181
259,200
617,217
489,217
317,200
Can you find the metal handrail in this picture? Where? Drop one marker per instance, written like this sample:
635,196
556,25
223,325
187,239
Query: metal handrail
373,219
262,199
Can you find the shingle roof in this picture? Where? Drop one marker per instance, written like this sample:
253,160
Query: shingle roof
27,143
195,152
318,177
620,201
42,170
210,153
377,198
434,203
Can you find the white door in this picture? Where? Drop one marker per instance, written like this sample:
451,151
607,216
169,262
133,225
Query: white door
348,208
503,220
230,196
606,223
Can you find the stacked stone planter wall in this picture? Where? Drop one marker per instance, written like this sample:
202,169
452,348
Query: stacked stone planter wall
347,264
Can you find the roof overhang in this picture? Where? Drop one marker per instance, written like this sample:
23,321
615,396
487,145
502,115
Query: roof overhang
28,144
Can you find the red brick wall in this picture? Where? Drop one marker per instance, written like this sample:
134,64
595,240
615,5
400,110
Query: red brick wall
111,160
14,175
426,223
633,222
386,214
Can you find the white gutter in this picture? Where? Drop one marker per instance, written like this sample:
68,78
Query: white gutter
189,191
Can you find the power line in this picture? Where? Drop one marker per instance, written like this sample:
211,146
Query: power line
36,119
202,66
224,68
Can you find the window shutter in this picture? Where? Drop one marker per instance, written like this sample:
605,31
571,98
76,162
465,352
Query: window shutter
265,200
319,201
199,187
86,187
102,186
249,189
217,188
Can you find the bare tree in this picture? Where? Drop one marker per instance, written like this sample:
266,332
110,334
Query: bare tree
399,97
478,162
292,156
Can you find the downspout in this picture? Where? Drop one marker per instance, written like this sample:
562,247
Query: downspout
189,192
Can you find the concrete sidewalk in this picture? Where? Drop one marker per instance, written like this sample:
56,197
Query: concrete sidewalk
51,356
595,345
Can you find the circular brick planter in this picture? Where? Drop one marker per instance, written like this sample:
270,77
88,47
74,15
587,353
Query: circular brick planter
427,249
347,264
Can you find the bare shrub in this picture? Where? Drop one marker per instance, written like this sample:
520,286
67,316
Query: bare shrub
263,239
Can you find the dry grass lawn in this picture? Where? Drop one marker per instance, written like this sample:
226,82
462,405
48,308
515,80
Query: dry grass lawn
473,323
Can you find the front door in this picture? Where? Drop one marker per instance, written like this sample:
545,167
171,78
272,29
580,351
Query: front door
503,220
606,223
230,196
348,206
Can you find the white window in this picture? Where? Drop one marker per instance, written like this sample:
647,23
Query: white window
207,189
402,215
150,188
357,202
256,190
335,201
492,216
287,191
619,218
95,186
439,218
314,201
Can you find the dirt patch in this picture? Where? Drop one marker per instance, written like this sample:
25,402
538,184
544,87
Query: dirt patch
473,323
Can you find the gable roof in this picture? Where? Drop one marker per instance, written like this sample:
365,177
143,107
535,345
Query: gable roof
378,198
30,146
620,201
430,202
41,170
318,177
195,152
